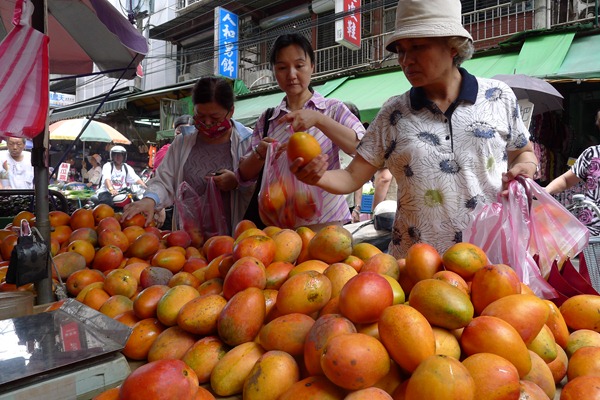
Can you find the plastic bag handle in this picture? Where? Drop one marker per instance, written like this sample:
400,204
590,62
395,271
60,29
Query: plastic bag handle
523,180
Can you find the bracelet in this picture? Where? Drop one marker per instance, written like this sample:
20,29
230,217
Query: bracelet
255,151
529,162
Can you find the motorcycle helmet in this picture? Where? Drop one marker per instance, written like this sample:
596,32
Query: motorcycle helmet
118,149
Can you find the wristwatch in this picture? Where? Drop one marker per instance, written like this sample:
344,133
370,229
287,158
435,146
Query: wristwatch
255,151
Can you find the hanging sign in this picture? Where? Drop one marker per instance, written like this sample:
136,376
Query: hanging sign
61,99
63,172
226,43
348,29
526,107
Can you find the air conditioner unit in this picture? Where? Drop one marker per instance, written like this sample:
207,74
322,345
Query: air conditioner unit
184,77
259,78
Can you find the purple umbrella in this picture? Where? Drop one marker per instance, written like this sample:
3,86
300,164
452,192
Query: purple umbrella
542,94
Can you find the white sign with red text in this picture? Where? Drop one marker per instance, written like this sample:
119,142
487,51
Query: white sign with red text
348,28
63,172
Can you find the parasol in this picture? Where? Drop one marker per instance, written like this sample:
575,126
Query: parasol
86,32
95,132
542,94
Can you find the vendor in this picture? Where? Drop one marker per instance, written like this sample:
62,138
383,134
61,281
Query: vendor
94,175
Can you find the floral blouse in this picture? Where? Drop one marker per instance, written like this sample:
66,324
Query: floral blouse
587,168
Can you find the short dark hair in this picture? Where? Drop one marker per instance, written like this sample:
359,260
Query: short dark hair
185,119
290,39
213,89
353,109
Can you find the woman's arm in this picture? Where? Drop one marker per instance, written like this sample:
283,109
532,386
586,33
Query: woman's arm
563,182
339,181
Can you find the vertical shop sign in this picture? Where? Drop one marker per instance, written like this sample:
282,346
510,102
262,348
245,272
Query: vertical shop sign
226,43
348,28
63,172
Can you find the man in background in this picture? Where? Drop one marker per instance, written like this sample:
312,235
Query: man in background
16,171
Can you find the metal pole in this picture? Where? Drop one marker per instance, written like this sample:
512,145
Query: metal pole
40,170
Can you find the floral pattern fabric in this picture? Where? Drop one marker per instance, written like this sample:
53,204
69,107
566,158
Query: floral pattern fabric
587,168
444,163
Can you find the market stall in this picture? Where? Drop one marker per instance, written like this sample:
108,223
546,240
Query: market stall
58,354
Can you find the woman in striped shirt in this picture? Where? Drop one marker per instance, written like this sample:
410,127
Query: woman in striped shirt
303,109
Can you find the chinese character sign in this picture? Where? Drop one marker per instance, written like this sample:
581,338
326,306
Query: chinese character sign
61,99
63,172
348,28
226,43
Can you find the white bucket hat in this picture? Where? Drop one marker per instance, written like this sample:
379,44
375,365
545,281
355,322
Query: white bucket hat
432,18
97,157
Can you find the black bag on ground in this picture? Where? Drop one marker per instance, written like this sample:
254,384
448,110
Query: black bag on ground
252,210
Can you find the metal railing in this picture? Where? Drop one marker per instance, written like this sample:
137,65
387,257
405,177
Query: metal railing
488,26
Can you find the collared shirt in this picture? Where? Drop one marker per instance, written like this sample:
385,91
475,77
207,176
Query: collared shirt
334,207
16,174
444,163
587,168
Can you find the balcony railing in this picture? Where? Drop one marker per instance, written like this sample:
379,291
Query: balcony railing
488,26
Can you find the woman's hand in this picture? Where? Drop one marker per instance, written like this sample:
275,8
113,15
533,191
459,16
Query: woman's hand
225,180
312,172
302,120
525,168
144,206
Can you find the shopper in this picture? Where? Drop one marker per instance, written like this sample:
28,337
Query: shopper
586,169
213,150
453,140
303,109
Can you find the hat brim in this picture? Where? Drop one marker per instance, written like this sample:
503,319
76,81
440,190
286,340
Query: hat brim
426,30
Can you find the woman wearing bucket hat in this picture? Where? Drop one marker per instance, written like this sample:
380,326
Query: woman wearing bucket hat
94,175
451,141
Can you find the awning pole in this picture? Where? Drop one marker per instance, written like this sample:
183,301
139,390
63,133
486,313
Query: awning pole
40,174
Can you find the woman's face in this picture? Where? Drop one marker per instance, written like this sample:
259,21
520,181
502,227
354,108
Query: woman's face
210,114
425,61
293,70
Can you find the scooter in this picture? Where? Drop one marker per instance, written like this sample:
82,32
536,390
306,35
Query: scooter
123,197
378,230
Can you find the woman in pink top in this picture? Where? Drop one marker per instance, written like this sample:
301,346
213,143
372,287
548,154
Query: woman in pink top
303,109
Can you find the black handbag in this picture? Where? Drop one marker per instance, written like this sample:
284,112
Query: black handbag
29,258
252,210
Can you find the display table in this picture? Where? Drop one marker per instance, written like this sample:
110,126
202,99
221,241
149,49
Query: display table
69,353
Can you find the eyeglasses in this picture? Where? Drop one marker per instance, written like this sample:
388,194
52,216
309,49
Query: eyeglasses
199,124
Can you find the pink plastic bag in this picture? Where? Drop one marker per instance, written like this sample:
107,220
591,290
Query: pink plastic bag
526,223
24,74
283,200
201,215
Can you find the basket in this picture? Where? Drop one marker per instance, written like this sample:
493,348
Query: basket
591,253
